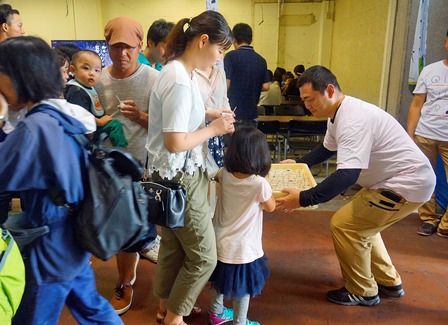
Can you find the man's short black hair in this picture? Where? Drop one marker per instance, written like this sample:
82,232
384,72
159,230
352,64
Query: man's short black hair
319,77
299,69
158,31
242,33
6,13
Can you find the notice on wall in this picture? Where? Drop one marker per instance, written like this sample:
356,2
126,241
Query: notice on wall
211,5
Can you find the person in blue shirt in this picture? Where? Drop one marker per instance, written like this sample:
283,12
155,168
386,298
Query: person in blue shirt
247,76
441,186
38,157
153,54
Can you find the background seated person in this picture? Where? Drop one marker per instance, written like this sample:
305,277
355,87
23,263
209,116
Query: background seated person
289,77
272,97
292,90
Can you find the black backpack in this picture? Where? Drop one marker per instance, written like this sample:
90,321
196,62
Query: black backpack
113,216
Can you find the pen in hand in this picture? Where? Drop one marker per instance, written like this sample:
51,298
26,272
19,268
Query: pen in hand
118,111
119,100
229,114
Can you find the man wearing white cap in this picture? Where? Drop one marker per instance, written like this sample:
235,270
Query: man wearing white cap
124,90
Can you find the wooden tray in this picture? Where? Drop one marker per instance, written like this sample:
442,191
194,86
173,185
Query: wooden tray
296,176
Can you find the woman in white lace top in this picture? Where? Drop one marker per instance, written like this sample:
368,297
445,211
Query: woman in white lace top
187,256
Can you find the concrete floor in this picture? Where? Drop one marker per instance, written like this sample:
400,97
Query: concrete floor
304,267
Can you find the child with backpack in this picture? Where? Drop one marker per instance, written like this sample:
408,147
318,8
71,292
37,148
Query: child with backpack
242,268
38,157
86,67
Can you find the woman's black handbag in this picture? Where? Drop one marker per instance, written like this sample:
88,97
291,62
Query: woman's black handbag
167,201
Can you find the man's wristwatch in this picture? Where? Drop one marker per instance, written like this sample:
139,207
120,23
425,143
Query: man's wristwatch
2,121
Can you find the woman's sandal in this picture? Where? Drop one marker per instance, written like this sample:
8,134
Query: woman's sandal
195,311
160,316
181,323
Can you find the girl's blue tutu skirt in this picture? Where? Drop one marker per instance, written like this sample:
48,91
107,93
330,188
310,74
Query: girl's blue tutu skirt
236,280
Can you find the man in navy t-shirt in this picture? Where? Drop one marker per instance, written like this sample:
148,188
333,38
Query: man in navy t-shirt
246,73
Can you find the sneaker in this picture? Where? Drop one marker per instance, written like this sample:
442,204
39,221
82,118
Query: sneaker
344,297
442,233
152,252
392,291
426,229
135,270
251,322
224,317
122,299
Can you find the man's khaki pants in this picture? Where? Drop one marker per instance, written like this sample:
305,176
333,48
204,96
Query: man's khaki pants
358,244
431,148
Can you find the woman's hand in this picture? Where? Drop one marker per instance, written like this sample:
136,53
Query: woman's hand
223,125
213,114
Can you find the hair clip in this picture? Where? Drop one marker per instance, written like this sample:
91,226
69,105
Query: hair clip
187,25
